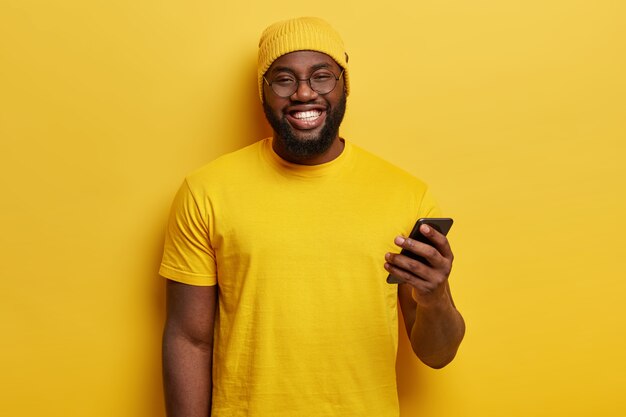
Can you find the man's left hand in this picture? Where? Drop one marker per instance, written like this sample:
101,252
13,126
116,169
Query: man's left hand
429,281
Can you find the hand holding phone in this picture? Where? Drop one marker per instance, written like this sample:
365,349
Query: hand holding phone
442,225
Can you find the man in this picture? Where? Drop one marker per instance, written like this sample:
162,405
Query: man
282,250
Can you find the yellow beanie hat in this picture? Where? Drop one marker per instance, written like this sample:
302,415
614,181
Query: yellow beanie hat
300,34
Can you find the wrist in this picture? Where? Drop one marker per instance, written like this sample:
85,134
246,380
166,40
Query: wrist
434,302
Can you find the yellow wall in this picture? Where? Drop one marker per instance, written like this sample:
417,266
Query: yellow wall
514,112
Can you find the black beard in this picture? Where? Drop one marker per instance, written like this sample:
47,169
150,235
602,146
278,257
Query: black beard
310,147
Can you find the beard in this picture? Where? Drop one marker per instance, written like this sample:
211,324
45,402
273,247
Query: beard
303,148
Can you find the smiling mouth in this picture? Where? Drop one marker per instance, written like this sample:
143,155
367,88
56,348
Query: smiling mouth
306,115
306,119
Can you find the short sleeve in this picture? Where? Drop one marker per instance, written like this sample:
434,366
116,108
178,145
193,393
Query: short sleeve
428,207
187,254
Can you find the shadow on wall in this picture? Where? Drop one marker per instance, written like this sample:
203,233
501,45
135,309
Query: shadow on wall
241,120
257,127
245,108
153,388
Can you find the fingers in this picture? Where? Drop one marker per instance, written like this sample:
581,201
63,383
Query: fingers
417,281
407,265
403,275
439,241
428,252
428,276
438,258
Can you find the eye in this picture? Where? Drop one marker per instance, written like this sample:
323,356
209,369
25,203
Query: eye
322,76
283,80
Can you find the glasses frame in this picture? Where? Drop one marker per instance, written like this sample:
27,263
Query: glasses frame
308,80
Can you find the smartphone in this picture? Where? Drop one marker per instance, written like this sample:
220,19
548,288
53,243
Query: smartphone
442,225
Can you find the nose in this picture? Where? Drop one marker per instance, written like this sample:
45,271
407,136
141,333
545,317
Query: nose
304,92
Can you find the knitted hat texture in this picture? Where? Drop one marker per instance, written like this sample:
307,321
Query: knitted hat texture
300,34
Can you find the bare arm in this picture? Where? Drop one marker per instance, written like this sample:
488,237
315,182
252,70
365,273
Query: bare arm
435,333
188,349
435,326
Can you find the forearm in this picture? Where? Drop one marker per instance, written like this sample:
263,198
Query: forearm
186,376
437,333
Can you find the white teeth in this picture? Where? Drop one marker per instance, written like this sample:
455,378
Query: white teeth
310,115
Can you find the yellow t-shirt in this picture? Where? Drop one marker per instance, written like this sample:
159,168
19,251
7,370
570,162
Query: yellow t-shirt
306,325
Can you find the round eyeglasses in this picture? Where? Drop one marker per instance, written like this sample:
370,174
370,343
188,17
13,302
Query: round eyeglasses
321,81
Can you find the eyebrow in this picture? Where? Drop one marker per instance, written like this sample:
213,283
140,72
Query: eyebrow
312,69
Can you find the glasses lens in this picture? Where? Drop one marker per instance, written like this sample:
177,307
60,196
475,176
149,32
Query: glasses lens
323,81
284,85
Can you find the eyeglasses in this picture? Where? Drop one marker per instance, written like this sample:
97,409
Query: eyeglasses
321,81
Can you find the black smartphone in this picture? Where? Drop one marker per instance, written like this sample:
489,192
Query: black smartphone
442,225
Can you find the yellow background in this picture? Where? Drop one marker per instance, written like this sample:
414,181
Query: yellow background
513,111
